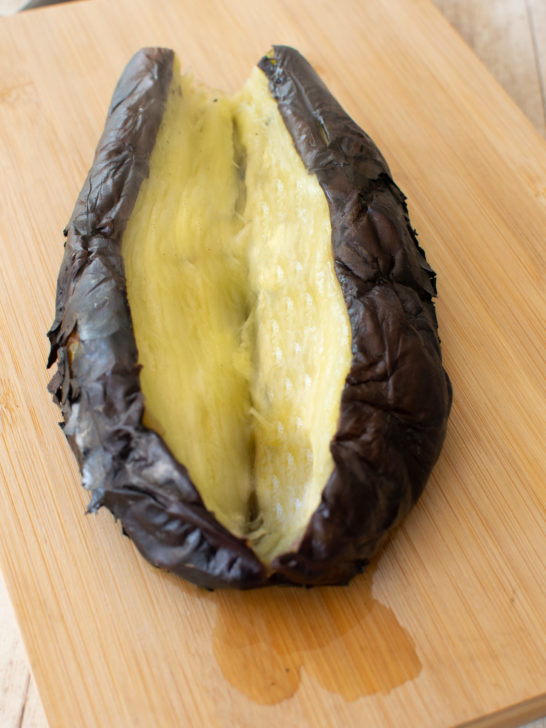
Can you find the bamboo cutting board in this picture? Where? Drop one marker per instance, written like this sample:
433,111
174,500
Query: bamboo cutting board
448,626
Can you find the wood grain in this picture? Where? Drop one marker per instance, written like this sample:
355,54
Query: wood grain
537,15
456,604
516,27
20,704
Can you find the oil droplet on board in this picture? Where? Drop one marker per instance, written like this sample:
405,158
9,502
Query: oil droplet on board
342,637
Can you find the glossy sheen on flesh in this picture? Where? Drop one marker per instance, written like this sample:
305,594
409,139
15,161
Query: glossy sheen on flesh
241,327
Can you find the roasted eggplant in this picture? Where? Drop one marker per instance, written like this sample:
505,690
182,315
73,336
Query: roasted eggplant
249,368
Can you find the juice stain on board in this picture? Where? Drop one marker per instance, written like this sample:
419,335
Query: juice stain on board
341,637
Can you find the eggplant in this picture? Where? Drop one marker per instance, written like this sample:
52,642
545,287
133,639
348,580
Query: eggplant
248,361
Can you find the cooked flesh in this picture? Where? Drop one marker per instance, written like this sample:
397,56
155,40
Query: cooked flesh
240,323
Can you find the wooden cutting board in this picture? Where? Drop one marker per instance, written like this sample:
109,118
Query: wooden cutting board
449,625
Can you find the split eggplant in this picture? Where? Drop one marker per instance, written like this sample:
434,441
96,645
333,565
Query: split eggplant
249,367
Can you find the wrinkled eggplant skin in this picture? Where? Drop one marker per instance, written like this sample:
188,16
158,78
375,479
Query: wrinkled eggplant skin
126,467
397,396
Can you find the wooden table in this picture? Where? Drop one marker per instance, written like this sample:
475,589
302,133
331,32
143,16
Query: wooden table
510,37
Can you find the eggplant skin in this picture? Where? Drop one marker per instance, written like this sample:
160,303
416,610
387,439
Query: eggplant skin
397,396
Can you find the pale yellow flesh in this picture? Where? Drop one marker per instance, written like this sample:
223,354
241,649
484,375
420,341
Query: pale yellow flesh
241,327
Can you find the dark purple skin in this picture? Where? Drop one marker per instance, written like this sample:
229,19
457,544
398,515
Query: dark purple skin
397,396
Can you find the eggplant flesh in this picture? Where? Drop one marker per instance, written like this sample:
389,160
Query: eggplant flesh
241,327
248,362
